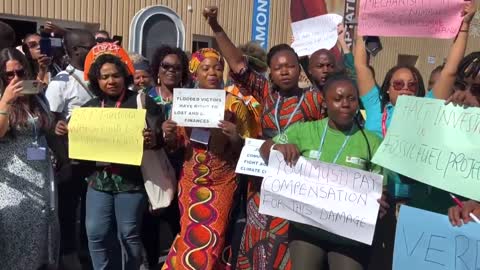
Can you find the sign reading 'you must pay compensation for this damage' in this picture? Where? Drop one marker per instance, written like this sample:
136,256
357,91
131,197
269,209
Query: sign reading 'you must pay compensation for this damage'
335,198
198,107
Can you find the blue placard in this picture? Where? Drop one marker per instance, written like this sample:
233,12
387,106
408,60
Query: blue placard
261,22
427,241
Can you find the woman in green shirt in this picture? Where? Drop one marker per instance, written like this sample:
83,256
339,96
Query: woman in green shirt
337,139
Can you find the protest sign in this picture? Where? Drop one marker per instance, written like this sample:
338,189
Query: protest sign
337,199
434,143
250,161
426,240
315,33
198,107
107,135
425,18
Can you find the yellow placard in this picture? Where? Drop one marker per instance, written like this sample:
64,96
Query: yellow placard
107,134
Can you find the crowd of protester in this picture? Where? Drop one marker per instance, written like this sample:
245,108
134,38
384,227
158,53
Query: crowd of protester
59,213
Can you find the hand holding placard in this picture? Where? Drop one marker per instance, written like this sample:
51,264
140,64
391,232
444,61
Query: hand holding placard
434,143
335,198
107,135
315,33
198,107
426,240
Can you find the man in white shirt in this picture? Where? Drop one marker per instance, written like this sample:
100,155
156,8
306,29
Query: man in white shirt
68,91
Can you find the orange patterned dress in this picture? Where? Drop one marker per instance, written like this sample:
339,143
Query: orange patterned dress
206,192
264,244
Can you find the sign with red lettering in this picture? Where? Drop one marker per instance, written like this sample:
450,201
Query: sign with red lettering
410,18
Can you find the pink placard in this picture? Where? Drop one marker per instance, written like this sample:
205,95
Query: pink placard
410,18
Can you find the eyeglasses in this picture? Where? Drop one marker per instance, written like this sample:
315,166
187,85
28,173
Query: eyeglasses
168,66
399,85
19,72
102,39
32,44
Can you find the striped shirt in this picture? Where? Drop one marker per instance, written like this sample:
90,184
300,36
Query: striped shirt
253,83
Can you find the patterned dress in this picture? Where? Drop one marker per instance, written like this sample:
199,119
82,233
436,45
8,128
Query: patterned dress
28,223
265,238
206,193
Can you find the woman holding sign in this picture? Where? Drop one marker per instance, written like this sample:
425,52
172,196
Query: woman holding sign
116,198
26,175
340,140
264,244
208,182
379,102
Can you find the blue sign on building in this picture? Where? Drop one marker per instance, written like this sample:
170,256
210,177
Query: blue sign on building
261,21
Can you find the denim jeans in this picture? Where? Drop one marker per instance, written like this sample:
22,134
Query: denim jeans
111,217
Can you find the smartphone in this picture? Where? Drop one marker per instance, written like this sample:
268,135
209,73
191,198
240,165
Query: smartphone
118,39
56,43
45,45
30,87
373,45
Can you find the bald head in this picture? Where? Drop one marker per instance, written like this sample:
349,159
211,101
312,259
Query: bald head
320,65
78,43
7,36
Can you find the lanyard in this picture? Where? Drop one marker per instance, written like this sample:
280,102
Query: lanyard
384,122
277,117
119,101
33,121
322,142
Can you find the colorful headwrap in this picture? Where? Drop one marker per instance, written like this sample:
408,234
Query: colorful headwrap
107,48
200,55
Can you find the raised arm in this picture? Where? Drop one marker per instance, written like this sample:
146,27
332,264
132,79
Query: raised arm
365,78
443,88
232,54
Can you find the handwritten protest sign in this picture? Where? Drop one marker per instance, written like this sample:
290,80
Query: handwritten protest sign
315,33
419,18
337,199
250,161
198,107
107,135
434,144
426,240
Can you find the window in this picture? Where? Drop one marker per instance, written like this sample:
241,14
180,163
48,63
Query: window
407,60
200,42
153,27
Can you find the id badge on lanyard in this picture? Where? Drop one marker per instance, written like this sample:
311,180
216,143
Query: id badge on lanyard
35,151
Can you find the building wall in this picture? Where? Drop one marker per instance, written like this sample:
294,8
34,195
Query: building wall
236,17
421,47
115,15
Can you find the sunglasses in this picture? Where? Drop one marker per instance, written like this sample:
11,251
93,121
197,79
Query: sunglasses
400,85
101,40
19,72
167,66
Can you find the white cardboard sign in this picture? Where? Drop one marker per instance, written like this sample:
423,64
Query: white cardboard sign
198,107
335,198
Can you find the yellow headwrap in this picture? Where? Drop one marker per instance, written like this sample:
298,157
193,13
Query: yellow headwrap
200,55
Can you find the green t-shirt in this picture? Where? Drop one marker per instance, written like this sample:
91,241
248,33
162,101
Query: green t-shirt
307,137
